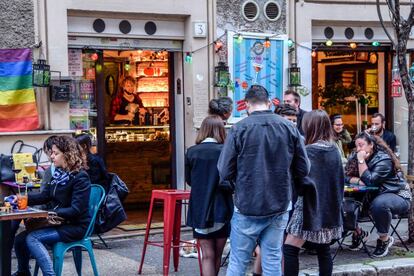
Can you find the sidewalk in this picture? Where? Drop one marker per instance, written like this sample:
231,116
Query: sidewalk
125,253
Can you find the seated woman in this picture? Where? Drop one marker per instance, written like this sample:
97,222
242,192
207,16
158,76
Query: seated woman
379,167
96,167
68,195
341,135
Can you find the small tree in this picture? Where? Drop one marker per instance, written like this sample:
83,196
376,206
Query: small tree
402,27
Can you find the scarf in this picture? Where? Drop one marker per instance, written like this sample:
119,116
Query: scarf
60,177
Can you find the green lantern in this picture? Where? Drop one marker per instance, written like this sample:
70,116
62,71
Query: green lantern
222,76
41,73
294,75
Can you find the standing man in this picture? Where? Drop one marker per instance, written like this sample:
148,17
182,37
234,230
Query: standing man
292,98
260,156
378,128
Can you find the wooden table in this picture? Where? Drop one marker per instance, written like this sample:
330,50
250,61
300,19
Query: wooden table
5,235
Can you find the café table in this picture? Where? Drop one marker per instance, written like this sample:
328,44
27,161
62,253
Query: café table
5,234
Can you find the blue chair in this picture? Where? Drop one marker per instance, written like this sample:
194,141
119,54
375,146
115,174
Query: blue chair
60,248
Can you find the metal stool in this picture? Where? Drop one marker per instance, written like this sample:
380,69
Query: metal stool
172,225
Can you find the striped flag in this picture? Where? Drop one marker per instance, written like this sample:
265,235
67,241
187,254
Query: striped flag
18,111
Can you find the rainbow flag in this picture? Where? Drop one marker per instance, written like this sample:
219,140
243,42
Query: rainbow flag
18,111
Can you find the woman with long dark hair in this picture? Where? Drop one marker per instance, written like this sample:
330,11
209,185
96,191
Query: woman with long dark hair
210,208
68,197
379,167
316,218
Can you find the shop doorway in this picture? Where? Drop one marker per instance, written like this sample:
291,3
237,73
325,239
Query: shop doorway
131,114
351,83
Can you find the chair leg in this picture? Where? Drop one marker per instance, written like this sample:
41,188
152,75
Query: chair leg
103,241
92,258
36,269
176,235
147,230
394,231
169,212
58,265
77,258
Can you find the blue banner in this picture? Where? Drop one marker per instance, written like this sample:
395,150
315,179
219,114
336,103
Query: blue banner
256,64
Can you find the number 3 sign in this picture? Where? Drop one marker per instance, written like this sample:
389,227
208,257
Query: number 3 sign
199,29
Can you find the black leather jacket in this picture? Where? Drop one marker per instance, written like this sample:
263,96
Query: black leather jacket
261,154
381,173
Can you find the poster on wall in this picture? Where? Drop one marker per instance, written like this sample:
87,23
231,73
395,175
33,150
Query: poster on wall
253,63
75,63
79,119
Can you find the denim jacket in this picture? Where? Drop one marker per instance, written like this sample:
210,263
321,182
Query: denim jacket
260,156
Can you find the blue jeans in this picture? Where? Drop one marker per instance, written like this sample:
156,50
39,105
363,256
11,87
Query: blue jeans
246,231
384,206
34,244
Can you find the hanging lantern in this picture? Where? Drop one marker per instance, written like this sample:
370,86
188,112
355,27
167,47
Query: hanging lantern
267,43
41,73
222,76
396,87
188,58
294,75
218,45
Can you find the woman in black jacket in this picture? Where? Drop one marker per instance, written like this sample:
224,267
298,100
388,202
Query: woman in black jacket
210,209
68,195
316,218
378,166
96,168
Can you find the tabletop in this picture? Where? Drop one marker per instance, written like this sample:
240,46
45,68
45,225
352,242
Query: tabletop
349,188
15,185
23,214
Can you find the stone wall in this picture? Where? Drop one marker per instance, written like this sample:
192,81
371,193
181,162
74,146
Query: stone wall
229,17
16,24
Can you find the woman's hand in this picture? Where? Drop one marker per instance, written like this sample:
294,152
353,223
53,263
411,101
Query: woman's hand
362,155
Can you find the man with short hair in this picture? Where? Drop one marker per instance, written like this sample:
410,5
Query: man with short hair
292,98
260,156
378,128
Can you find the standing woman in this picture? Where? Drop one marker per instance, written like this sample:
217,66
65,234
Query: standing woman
317,217
68,196
341,135
222,107
210,208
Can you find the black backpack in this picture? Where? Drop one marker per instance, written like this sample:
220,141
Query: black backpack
112,212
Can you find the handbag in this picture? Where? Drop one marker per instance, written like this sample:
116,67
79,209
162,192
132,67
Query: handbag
52,220
6,161
351,210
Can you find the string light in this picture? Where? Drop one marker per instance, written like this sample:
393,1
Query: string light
314,54
188,58
239,38
267,43
376,43
329,43
353,45
290,43
218,45
94,56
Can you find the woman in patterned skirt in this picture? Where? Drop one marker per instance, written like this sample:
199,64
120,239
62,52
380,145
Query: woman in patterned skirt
317,218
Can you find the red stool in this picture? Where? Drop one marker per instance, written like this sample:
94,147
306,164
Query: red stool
172,227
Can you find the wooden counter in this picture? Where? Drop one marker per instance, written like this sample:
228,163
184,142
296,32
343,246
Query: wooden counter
143,166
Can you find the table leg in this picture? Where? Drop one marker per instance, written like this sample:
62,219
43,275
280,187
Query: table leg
5,248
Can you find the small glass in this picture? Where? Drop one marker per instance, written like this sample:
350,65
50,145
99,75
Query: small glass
30,169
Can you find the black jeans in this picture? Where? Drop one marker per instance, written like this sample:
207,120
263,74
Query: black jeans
384,206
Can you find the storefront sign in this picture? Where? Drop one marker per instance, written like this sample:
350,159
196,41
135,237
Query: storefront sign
256,64
75,62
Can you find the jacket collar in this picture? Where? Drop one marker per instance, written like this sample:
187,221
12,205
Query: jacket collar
258,112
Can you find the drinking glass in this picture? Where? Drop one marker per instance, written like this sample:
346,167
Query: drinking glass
22,199
30,169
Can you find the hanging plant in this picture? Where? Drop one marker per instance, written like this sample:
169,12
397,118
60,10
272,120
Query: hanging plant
337,94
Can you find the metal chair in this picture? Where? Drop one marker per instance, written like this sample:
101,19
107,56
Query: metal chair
59,249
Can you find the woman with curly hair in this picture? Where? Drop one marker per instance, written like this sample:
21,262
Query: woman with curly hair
68,196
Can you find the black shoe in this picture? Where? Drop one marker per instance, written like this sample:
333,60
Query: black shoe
358,240
382,247
22,273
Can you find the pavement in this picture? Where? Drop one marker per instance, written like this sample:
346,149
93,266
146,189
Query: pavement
124,255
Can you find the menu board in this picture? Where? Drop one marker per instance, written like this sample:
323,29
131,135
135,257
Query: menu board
256,64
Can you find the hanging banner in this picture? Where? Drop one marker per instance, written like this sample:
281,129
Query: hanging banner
253,63
18,110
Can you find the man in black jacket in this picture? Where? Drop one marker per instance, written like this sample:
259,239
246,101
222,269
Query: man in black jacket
260,156
292,98
378,127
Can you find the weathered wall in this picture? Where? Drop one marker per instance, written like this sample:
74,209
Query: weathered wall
16,24
229,17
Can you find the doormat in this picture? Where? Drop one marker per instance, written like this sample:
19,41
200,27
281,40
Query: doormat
140,226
